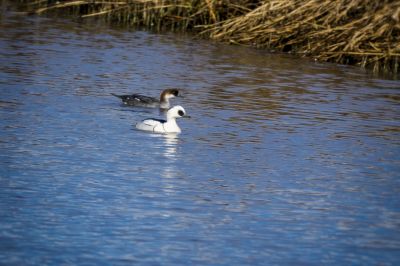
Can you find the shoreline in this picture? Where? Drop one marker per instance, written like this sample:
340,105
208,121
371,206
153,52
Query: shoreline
348,32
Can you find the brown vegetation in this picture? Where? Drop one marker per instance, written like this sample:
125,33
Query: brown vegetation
365,33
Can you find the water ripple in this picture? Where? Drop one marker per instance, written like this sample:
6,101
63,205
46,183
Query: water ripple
285,161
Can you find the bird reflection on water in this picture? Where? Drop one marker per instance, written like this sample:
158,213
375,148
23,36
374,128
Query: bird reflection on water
171,143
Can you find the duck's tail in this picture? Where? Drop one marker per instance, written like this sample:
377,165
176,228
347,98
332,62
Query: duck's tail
118,96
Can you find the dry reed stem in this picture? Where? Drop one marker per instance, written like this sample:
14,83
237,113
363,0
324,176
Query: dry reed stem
211,10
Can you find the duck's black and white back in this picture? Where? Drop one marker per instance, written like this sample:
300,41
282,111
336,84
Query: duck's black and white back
164,126
147,101
138,100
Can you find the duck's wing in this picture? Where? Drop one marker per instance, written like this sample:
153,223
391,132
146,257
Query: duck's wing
150,124
143,99
136,99
153,121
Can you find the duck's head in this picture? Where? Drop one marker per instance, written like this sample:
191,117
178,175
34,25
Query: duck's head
169,93
176,112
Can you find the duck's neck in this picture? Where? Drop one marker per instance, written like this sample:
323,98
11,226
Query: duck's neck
164,103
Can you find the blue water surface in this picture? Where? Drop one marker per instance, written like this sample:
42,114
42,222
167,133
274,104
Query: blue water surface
285,161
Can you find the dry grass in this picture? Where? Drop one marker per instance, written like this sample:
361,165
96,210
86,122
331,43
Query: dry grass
360,32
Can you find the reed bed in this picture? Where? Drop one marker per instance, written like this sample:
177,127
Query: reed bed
358,32
366,33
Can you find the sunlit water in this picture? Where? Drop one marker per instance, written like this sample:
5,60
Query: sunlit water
284,161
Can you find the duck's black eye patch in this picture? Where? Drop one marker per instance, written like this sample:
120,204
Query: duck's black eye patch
181,113
175,92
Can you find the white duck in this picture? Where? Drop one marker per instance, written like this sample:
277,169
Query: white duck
164,126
